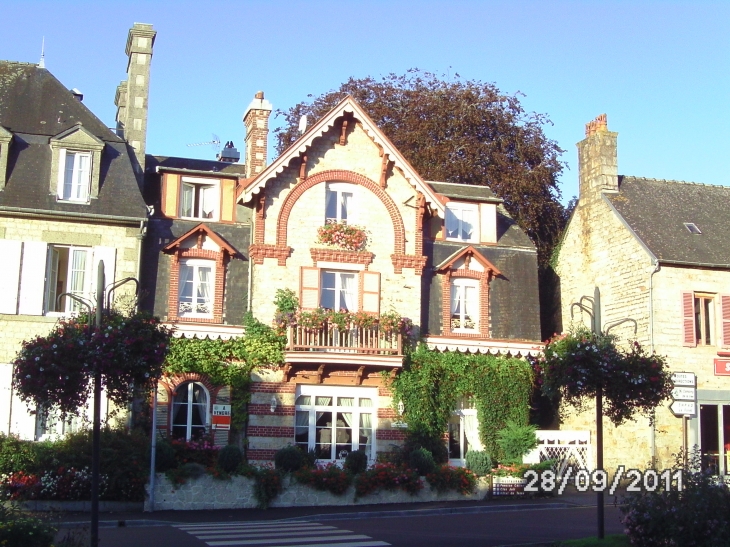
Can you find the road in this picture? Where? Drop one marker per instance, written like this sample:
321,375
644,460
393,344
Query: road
458,530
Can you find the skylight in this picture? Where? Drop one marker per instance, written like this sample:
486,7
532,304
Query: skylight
692,227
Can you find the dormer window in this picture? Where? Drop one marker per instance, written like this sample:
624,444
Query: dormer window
74,176
462,222
199,199
339,203
196,288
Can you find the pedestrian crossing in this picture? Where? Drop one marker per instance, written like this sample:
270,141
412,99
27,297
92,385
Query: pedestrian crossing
277,534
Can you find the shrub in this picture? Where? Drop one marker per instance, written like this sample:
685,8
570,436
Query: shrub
479,462
15,455
452,478
229,458
19,529
164,456
422,461
356,462
202,451
516,440
190,470
290,459
388,477
696,516
330,478
419,438
267,485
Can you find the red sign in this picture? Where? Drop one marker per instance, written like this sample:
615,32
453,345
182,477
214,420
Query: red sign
221,418
722,367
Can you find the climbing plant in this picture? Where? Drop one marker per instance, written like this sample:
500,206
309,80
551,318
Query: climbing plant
431,384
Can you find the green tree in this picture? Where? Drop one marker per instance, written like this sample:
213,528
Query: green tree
462,131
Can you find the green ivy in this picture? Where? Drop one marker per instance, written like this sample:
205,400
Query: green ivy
431,384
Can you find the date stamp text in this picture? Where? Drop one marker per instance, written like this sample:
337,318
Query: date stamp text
598,480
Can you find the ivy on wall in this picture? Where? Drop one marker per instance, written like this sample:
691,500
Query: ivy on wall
229,362
431,384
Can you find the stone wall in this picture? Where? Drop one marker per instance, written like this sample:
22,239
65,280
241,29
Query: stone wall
208,493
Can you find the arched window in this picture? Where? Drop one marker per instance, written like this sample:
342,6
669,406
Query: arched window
190,411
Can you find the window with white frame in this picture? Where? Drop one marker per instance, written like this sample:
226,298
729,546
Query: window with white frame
68,271
199,198
50,426
338,290
463,430
75,178
196,287
339,202
190,411
334,421
464,305
462,222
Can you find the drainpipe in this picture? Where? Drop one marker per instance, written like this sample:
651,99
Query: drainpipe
140,238
652,436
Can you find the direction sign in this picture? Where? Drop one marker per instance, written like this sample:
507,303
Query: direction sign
221,417
683,393
684,379
683,408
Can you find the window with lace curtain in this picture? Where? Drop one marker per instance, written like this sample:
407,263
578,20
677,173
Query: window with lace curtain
196,288
338,290
463,431
465,305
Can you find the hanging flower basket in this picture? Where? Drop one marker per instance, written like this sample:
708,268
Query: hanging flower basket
574,365
342,236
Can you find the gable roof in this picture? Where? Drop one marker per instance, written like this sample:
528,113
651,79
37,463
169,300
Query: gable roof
347,106
201,228
656,211
463,252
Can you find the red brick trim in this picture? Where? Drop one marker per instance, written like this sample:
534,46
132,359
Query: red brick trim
258,252
258,231
269,431
390,435
386,413
410,261
384,392
272,387
220,258
344,176
484,319
340,255
260,454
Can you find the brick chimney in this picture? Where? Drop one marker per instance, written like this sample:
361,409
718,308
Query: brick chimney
597,160
132,93
256,120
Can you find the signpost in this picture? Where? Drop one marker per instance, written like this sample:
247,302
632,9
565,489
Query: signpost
684,400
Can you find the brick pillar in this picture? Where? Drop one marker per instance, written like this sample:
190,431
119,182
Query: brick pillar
256,120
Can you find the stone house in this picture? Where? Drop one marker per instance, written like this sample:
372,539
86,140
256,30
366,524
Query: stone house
657,250
70,196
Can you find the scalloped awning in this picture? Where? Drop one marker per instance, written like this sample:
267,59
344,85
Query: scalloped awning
202,331
347,106
494,347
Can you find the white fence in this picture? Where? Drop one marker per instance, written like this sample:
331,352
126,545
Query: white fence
568,448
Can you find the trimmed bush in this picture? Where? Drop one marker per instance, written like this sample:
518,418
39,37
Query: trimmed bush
422,461
516,440
229,458
479,462
356,462
290,459
419,438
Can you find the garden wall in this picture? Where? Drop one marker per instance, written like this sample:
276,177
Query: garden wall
207,492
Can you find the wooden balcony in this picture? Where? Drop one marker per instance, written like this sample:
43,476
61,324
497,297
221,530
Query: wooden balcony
353,345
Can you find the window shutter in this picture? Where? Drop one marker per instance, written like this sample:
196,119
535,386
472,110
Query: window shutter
61,172
109,256
309,287
33,278
10,250
688,320
370,284
725,319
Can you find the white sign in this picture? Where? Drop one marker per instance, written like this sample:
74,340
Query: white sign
683,394
399,425
684,379
221,410
683,408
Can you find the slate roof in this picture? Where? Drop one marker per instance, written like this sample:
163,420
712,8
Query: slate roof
35,106
656,211
212,166
467,192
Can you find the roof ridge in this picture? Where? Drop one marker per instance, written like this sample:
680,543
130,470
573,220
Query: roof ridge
19,63
674,181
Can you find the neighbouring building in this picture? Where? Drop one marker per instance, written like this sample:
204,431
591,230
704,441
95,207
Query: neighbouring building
658,252
70,196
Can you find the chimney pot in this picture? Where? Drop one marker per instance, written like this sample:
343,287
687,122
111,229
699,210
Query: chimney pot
259,95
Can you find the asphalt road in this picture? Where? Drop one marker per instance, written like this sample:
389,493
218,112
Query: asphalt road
459,530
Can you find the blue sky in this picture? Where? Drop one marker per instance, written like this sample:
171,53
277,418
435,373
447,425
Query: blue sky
659,69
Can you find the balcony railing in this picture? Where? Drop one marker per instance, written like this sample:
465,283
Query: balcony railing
359,340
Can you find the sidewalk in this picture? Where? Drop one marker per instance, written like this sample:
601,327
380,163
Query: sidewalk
570,498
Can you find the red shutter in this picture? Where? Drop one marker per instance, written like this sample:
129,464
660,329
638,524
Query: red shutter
688,320
370,291
725,319
309,287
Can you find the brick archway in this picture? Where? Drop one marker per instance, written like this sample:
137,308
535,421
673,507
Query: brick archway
341,176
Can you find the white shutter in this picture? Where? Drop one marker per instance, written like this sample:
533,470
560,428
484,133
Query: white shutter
33,278
109,256
370,283
309,287
61,172
10,251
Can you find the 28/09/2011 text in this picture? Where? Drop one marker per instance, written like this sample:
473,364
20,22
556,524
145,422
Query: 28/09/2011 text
597,480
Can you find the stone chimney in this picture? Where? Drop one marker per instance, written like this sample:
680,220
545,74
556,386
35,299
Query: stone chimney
256,120
597,160
132,94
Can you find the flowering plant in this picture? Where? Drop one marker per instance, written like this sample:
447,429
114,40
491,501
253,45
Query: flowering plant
447,477
331,477
56,370
389,477
19,485
344,236
575,365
